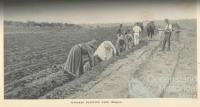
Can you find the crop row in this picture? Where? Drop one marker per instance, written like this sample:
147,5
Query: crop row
13,76
27,56
35,59
39,87
31,78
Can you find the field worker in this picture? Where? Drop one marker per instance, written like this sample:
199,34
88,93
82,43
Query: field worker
150,29
129,40
74,63
167,37
105,51
136,33
120,44
120,30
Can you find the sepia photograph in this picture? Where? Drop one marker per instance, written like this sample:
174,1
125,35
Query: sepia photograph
75,49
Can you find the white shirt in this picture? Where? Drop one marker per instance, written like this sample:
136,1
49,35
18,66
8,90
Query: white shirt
168,28
137,29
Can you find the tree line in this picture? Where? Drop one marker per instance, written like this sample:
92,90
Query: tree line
38,24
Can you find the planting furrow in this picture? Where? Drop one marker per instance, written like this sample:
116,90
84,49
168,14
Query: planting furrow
21,82
40,87
25,62
13,76
57,58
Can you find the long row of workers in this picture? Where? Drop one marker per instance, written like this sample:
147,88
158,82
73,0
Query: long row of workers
82,57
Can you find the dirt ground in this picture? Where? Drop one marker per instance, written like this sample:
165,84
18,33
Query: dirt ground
149,72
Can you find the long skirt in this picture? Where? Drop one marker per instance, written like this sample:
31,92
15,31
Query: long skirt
74,65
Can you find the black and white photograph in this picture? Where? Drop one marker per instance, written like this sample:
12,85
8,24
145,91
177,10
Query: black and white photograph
76,49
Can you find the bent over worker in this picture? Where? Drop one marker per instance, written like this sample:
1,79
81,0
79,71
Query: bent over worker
105,51
74,63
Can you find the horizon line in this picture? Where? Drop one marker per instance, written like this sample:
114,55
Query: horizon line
96,22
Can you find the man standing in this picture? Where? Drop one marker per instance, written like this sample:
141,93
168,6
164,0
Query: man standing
168,31
136,33
150,29
120,31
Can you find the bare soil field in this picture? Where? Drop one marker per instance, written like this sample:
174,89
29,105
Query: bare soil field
33,59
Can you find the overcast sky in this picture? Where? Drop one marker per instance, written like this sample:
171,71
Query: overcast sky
98,12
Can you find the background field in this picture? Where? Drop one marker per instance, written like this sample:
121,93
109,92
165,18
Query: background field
34,54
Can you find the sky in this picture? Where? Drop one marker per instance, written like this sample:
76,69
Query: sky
97,11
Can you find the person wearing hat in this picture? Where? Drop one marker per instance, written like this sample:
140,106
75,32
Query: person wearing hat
120,30
129,40
167,31
74,63
136,33
150,29
120,44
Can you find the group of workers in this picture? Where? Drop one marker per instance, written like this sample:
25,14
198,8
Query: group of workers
82,57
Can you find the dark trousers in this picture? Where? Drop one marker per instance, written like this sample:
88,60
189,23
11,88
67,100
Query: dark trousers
150,33
166,40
